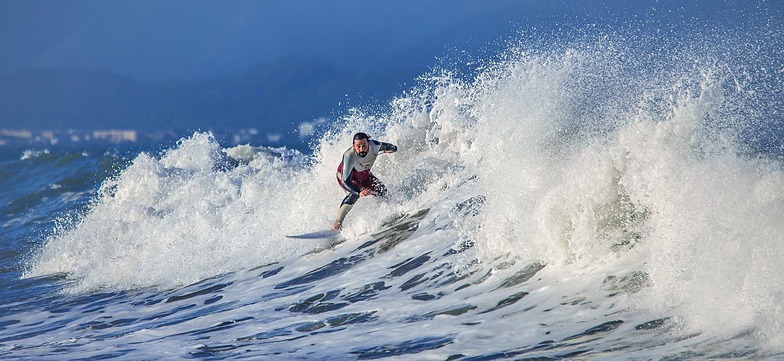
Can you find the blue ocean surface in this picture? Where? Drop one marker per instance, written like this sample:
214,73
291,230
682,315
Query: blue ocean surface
604,197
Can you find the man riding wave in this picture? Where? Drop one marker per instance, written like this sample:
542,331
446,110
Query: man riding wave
354,174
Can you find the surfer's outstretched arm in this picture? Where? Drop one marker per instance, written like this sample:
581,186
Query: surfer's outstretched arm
387,148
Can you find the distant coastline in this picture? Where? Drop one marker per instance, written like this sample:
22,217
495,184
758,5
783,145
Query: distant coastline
283,99
74,137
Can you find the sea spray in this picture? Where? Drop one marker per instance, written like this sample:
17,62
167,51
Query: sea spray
577,174
181,218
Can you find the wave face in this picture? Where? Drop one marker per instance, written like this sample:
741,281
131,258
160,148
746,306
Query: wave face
586,199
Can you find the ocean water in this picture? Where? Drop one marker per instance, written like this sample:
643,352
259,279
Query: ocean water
601,198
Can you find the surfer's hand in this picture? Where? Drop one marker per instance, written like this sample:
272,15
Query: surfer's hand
366,192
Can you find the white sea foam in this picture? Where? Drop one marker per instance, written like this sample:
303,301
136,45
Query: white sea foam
32,154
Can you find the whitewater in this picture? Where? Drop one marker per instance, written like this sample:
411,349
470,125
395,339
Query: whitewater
586,199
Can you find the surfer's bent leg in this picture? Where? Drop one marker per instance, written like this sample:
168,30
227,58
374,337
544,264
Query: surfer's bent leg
346,206
350,199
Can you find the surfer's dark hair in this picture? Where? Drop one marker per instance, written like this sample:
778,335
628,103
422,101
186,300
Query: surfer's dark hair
360,136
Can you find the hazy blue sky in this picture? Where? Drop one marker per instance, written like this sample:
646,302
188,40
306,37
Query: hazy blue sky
179,39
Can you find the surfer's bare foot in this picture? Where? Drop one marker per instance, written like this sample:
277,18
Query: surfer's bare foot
337,226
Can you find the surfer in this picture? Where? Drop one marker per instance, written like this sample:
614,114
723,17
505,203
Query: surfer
354,173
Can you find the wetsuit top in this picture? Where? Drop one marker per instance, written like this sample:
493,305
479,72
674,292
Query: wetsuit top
354,171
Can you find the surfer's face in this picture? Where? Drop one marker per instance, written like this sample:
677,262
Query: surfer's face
361,147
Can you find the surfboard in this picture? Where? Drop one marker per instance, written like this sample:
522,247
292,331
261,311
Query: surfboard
328,233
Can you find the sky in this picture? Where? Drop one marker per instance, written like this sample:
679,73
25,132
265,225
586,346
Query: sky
161,40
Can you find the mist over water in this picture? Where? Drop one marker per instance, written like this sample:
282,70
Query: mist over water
638,182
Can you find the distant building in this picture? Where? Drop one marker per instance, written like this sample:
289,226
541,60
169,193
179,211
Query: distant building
19,134
115,135
49,137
